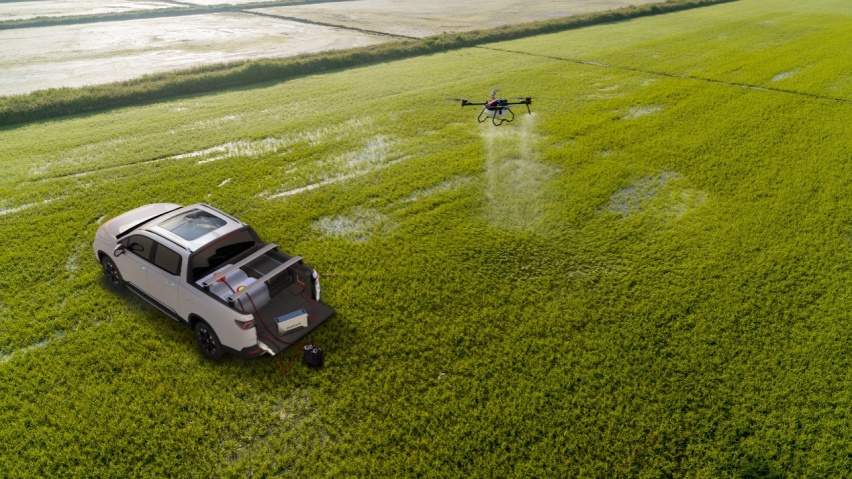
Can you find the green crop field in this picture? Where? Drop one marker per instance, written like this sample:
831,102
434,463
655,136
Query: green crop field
647,277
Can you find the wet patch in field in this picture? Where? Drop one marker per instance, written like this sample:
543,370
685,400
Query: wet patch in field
640,111
785,75
7,356
357,226
234,149
15,209
378,152
450,185
73,261
665,196
272,145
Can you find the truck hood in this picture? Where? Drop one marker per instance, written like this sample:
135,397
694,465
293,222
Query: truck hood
136,217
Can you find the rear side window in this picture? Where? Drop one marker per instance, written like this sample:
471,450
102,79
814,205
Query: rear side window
167,260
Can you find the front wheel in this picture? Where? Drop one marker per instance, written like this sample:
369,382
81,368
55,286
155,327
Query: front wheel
208,341
113,276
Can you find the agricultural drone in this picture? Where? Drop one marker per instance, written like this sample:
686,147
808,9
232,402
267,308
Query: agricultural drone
497,108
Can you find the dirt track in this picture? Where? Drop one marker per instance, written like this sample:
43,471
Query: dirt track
84,54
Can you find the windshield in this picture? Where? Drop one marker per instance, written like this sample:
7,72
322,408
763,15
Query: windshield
222,251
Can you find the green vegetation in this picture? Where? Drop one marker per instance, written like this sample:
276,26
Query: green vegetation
56,102
648,277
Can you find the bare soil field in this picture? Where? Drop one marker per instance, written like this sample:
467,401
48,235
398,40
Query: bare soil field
422,19
94,53
64,8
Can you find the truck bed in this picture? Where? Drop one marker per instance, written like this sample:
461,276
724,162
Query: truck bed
287,291
285,302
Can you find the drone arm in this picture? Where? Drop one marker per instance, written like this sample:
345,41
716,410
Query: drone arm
526,101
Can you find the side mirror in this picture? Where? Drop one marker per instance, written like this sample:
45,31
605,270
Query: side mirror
118,250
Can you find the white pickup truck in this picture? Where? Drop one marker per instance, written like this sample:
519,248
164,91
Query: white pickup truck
211,272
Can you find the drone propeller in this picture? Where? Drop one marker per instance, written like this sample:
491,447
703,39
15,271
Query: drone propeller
465,102
460,100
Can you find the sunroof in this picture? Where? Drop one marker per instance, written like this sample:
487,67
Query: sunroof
192,224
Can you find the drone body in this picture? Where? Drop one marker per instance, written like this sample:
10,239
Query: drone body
497,109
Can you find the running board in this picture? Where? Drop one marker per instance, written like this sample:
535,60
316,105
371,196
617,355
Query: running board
240,264
153,302
263,279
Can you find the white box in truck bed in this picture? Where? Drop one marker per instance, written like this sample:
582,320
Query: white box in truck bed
292,321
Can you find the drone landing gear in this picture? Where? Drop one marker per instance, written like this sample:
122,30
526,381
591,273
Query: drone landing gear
493,114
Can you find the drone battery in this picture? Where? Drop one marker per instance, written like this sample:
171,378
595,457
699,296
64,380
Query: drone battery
292,321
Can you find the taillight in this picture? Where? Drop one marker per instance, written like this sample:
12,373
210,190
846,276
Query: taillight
316,285
244,324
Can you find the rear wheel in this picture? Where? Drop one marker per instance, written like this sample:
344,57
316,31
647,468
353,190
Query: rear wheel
208,341
111,273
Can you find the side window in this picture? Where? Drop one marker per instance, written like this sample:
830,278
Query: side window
140,246
167,260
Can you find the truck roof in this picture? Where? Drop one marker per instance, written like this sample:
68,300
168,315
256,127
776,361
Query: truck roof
193,227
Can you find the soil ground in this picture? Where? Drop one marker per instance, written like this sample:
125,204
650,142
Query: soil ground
421,19
63,8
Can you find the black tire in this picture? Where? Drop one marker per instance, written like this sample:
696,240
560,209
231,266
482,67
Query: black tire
208,342
111,273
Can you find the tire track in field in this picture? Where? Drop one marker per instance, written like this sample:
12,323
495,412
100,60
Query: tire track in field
813,96
328,25
101,169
